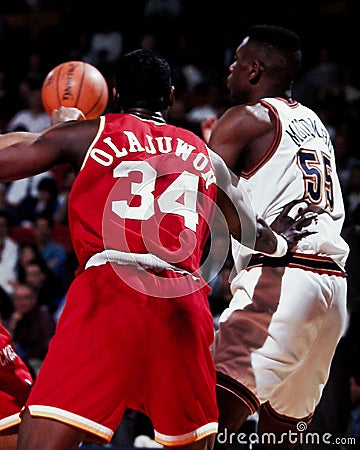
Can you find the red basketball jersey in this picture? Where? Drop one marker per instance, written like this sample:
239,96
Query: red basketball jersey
144,187
15,382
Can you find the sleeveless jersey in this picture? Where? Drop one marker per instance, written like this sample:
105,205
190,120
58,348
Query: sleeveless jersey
16,382
300,163
144,187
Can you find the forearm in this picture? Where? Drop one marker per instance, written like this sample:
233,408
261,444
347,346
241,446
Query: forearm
234,205
16,137
241,220
59,116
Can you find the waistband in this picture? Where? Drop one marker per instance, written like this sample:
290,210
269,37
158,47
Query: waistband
143,261
314,263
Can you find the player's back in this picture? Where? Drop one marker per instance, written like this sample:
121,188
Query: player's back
300,164
144,187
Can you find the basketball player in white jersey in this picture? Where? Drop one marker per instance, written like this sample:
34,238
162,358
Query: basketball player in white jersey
276,340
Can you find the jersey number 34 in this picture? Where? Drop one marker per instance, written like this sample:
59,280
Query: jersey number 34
184,187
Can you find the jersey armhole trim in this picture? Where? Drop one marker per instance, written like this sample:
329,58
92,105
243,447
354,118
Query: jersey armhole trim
273,146
100,130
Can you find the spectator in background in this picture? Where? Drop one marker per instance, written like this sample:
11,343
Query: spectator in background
45,202
61,214
20,189
4,205
6,307
324,73
32,118
35,71
105,46
162,10
345,89
163,17
345,161
9,252
31,326
352,196
203,104
6,101
49,288
53,253
28,252
149,42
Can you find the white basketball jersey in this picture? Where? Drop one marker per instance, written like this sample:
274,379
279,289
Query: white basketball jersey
299,164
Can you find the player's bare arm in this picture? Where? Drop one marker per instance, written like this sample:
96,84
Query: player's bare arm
16,137
243,131
239,216
26,157
58,116
39,152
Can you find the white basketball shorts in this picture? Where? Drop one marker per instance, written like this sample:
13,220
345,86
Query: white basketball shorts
276,339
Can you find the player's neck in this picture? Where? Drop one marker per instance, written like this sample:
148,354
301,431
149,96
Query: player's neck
147,114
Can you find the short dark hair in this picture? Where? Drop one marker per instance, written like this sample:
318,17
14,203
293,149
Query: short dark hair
276,36
284,41
143,79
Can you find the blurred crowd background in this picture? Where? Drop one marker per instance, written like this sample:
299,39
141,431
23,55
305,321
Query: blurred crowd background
199,39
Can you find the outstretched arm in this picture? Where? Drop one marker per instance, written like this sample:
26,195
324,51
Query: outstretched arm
234,205
16,137
241,220
253,232
24,154
60,115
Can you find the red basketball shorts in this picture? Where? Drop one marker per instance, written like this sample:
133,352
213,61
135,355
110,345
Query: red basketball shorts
116,347
15,383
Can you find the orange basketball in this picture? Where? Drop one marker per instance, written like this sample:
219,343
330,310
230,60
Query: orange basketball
75,84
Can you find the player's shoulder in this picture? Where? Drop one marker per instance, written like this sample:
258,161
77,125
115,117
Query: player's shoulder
258,112
253,117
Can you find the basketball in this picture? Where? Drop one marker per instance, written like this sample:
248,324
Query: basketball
75,84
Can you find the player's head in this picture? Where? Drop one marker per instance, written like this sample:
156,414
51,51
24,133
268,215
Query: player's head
268,58
143,80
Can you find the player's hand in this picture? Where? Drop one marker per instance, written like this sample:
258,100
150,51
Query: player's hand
291,224
293,220
63,114
207,126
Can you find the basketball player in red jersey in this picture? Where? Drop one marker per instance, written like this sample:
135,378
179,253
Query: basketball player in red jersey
276,340
136,329
15,385
15,378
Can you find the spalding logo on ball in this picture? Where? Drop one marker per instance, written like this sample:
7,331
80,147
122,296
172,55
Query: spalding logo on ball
75,84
